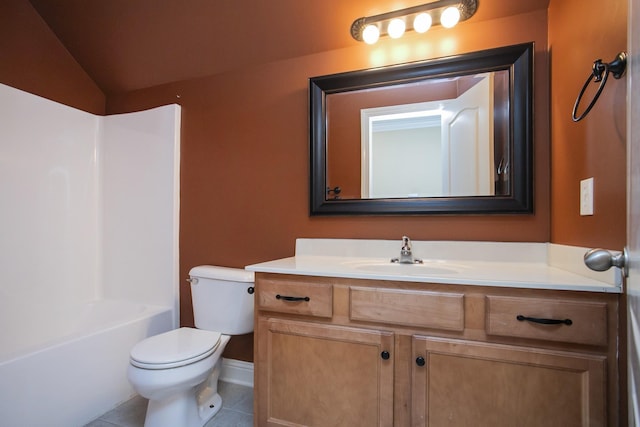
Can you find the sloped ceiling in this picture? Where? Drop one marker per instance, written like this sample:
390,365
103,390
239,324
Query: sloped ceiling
126,45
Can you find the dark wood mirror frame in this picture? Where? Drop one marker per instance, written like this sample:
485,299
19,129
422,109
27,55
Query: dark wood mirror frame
518,59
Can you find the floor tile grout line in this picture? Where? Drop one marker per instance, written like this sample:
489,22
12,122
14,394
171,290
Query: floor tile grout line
238,411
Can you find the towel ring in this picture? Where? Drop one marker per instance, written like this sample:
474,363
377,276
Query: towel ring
600,73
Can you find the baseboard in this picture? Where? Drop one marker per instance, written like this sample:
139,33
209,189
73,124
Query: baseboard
237,372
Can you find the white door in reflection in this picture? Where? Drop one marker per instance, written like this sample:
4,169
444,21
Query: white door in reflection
430,149
467,142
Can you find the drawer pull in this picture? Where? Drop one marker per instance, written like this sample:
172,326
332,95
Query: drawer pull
385,355
522,318
420,361
288,298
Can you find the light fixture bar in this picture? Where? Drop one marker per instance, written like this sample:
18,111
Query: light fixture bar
467,9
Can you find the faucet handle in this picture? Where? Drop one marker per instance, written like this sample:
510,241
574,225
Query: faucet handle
406,257
406,243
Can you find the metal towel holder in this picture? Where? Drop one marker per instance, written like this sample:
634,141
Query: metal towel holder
599,74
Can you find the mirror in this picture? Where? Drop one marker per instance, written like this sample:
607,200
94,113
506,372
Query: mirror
449,135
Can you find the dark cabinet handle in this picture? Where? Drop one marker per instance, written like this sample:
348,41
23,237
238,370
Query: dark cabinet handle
420,361
522,318
287,298
385,355
251,290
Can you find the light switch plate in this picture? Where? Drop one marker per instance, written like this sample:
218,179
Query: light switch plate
586,197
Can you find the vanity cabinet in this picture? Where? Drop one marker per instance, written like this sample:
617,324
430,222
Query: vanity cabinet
355,352
312,372
324,375
465,383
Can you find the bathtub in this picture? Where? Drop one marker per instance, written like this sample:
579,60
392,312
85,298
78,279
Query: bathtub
64,366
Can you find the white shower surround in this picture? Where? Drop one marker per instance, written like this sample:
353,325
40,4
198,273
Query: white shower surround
89,211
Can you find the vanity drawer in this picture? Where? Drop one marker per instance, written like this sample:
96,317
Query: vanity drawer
297,297
588,320
425,309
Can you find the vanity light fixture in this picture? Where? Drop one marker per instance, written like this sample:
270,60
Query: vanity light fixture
418,18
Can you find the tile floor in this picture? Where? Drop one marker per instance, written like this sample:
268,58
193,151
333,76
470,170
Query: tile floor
237,410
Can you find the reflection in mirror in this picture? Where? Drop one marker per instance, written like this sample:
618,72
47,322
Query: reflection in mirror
445,147
451,135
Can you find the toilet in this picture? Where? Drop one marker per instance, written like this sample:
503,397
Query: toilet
178,370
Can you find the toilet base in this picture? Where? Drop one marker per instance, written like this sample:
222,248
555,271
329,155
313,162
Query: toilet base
179,409
192,407
210,408
208,398
182,410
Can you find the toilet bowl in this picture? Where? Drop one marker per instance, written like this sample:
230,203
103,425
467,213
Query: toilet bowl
178,370
171,369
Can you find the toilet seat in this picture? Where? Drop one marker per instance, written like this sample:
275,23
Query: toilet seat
175,348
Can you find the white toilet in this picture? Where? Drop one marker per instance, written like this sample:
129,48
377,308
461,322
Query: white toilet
178,370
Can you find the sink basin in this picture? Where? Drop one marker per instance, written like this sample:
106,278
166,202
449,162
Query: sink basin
387,267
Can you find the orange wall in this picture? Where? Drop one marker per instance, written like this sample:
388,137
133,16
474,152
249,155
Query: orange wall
34,60
245,150
596,146
244,189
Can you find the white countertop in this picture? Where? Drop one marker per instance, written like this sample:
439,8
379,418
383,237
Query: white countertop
519,265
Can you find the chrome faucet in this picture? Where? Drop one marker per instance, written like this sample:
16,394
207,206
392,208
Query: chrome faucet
406,255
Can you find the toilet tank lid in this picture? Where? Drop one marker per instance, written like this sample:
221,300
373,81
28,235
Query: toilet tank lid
222,273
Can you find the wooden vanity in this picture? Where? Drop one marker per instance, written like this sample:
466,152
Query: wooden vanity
340,351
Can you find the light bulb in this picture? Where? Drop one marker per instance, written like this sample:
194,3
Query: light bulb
450,17
370,34
422,23
396,28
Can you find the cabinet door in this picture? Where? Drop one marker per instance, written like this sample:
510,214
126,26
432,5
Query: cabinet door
311,374
464,383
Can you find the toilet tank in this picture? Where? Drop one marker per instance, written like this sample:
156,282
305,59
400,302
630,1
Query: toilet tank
221,299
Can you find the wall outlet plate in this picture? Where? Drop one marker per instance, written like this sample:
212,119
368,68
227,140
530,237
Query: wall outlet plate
586,197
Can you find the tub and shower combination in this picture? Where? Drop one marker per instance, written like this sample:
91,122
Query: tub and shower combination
71,370
88,253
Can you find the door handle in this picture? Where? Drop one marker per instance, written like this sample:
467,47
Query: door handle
602,260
